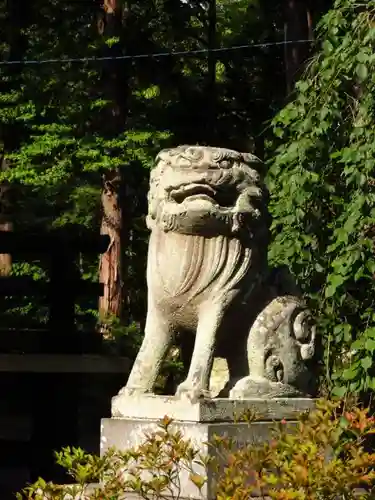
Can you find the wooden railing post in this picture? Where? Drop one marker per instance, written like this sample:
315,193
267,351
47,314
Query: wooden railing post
64,278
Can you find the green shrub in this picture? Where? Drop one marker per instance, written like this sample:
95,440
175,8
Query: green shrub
323,456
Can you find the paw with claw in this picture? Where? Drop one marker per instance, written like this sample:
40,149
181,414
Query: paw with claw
133,391
191,392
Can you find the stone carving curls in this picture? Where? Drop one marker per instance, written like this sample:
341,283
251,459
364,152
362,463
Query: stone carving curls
281,340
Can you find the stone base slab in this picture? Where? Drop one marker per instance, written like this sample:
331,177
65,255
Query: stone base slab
207,410
199,422
128,433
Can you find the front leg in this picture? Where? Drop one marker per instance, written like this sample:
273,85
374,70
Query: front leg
157,340
196,384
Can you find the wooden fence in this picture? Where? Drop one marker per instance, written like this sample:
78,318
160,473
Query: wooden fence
61,250
55,383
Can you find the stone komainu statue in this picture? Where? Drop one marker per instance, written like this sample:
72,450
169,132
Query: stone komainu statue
209,283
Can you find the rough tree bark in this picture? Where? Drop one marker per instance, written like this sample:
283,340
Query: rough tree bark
297,26
111,267
211,73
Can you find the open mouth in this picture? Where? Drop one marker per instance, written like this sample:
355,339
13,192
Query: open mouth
193,192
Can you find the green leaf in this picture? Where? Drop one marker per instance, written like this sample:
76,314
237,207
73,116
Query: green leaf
112,41
340,392
198,480
344,422
335,280
330,291
370,332
327,47
362,72
351,372
370,345
302,86
366,362
358,344
370,264
362,56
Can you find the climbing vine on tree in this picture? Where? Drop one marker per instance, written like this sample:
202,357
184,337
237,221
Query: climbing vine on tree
321,179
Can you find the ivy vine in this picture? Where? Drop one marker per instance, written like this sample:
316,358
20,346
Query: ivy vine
321,178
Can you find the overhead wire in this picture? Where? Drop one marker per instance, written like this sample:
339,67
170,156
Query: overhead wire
64,60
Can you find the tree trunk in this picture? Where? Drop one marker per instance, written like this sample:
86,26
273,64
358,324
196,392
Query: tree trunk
111,267
297,26
211,80
6,220
110,270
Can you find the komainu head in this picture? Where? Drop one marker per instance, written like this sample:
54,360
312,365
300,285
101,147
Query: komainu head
207,191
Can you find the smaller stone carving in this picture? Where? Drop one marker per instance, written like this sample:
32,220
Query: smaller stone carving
281,342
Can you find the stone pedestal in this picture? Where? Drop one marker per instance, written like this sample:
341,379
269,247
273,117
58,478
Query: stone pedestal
132,417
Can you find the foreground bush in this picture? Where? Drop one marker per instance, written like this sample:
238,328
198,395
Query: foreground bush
322,457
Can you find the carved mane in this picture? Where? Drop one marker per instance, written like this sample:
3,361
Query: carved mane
192,254
187,266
